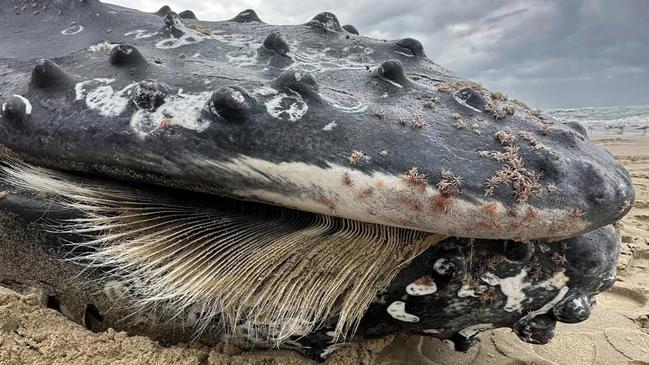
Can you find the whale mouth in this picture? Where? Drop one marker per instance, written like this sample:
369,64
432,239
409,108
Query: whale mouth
274,275
277,273
231,258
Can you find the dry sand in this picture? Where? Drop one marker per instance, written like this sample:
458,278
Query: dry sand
616,333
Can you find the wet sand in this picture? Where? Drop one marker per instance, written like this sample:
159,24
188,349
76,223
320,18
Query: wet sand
616,333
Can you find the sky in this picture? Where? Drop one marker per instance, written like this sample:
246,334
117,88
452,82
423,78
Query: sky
549,53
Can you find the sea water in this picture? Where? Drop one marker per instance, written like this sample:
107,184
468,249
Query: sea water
625,120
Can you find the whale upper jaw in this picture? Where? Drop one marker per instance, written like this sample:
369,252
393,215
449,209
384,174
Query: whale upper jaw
310,117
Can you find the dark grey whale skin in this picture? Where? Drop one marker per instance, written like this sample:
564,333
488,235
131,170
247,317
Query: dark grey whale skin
64,133
590,264
587,263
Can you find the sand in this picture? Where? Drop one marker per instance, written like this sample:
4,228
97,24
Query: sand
616,333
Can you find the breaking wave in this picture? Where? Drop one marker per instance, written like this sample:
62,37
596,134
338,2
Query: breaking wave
631,120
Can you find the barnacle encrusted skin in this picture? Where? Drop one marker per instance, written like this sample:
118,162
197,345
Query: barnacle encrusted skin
366,153
312,94
162,258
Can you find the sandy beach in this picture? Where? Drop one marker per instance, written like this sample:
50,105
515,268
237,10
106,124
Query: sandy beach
616,333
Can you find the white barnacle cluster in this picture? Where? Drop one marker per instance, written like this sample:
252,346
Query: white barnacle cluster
397,310
422,286
285,106
238,97
289,106
103,47
317,60
100,96
182,109
513,287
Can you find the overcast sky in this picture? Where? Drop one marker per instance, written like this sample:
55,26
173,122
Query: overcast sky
552,54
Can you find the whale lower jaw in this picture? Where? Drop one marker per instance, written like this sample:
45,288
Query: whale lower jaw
273,276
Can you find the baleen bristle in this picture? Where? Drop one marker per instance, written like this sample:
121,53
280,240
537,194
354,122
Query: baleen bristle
278,272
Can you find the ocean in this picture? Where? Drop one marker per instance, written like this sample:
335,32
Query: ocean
620,120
